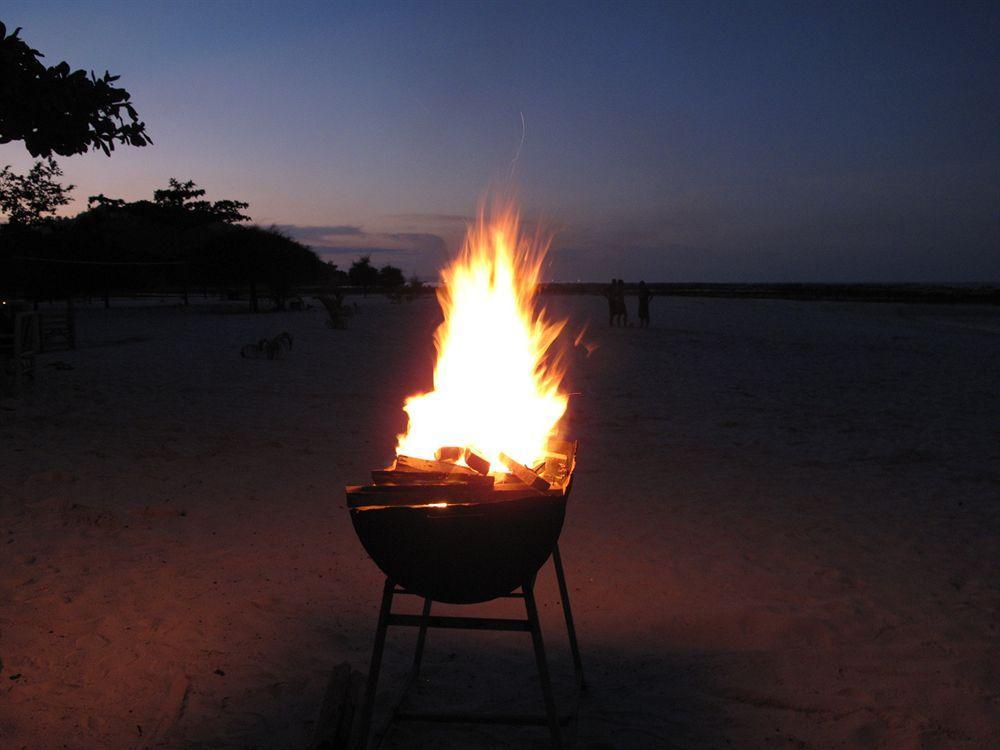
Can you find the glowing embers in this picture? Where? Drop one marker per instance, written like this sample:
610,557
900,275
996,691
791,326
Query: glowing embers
451,479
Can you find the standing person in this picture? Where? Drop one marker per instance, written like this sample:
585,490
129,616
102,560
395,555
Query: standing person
611,293
620,303
644,297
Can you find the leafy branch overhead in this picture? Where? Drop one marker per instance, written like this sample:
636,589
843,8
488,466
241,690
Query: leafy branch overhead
56,110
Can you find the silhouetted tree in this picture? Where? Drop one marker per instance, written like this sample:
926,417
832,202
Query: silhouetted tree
334,275
390,276
179,194
54,109
26,198
102,201
229,211
183,194
363,273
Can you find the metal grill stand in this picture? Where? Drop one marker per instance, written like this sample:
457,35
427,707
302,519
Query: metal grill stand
425,620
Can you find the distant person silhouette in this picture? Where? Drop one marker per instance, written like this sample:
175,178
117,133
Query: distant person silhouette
644,297
621,311
610,292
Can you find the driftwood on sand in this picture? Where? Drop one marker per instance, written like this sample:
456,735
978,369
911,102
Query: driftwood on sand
336,716
268,348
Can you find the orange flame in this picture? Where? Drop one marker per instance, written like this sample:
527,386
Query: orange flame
496,387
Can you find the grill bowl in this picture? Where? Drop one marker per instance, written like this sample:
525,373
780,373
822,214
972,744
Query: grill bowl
472,550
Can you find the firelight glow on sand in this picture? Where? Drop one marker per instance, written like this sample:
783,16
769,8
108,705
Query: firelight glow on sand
496,385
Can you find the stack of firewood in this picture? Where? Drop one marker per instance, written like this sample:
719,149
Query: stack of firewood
464,468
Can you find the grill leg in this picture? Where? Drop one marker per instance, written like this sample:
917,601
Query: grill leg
421,638
376,664
570,628
543,666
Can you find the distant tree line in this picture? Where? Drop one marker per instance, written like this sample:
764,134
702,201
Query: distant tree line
363,274
176,241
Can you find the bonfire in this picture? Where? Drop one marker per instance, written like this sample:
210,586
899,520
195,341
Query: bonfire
474,502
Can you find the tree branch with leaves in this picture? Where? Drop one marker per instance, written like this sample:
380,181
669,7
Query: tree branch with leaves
58,110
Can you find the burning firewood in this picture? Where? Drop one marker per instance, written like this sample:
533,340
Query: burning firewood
476,462
390,478
448,453
409,463
524,474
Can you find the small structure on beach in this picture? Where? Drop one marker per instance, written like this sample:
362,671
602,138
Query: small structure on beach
20,343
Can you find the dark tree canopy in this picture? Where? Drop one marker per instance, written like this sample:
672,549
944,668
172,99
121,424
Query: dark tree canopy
56,110
390,276
102,201
180,194
148,245
184,194
362,273
27,198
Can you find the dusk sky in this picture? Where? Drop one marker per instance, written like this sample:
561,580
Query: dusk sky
668,141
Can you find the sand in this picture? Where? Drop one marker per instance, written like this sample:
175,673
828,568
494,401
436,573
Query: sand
783,531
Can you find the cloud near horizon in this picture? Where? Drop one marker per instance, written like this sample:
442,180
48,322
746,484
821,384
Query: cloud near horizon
432,218
416,252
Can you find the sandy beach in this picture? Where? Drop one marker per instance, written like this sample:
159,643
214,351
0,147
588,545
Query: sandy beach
783,531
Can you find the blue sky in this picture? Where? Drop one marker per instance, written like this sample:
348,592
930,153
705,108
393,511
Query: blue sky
667,141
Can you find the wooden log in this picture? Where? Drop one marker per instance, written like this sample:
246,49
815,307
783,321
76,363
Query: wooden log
336,715
476,462
448,453
391,476
409,463
526,475
388,478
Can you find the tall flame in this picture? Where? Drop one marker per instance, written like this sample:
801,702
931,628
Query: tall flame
496,387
